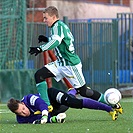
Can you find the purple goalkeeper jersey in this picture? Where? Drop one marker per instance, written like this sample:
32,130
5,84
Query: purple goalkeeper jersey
34,103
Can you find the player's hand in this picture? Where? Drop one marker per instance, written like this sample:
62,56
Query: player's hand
35,50
44,119
50,108
42,38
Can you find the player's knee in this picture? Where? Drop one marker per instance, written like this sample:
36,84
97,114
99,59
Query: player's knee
85,92
74,102
38,76
42,74
71,101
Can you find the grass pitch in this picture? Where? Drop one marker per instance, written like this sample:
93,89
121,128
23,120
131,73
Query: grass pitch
77,121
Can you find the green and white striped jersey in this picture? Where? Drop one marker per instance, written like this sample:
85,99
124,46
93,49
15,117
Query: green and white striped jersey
61,40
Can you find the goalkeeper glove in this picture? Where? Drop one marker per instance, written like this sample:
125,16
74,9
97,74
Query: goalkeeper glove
44,119
35,50
42,38
50,108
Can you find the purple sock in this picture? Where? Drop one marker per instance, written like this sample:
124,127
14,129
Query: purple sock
92,104
72,92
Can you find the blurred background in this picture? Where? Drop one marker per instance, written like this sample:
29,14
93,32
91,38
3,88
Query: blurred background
103,31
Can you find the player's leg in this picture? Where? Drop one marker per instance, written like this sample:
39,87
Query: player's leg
88,103
117,106
73,102
93,94
75,76
67,100
41,84
93,104
58,109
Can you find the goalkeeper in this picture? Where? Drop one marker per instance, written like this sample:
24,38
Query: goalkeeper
32,109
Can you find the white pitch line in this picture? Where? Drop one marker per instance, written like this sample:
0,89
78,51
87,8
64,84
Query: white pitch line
2,105
4,111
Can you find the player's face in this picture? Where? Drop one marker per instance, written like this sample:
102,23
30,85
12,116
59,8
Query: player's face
49,20
22,110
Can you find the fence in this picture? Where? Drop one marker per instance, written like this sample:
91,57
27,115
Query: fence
125,49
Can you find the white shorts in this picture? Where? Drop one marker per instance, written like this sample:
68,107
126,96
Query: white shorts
72,73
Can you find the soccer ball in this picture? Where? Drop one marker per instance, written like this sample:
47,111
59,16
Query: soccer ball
112,96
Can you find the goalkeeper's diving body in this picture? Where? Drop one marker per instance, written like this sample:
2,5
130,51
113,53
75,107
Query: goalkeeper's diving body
32,109
68,63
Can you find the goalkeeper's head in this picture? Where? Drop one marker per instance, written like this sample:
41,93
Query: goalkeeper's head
18,107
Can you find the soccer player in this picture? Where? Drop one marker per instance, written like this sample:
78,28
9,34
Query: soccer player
68,63
26,109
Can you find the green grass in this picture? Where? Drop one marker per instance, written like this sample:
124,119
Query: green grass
77,121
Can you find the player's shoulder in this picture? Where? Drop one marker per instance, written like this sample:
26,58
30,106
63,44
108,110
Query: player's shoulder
60,23
29,96
33,96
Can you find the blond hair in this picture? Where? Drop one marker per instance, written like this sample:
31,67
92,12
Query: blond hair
51,10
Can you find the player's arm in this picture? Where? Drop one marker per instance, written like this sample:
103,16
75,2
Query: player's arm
40,105
53,41
30,119
47,46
